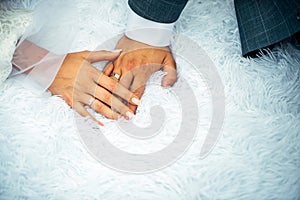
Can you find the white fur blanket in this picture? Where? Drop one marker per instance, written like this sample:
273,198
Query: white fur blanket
257,155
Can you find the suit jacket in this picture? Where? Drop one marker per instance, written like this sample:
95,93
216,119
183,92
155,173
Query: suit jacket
261,22
265,22
163,11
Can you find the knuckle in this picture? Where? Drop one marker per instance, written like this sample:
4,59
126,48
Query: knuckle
99,78
113,115
104,96
131,63
112,85
107,98
98,106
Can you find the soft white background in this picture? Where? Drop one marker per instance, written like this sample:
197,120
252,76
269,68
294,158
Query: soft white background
256,157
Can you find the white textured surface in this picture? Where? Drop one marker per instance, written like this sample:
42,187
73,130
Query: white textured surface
257,156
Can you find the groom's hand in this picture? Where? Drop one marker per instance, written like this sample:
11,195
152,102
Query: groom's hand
137,62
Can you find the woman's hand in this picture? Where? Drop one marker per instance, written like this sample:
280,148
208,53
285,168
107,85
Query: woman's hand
79,84
138,62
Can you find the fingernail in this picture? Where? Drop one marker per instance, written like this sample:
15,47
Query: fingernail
136,101
166,86
121,118
100,123
116,51
129,114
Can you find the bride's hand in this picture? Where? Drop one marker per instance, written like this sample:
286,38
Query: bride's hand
79,84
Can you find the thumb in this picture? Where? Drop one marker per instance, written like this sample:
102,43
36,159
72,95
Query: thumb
170,69
96,56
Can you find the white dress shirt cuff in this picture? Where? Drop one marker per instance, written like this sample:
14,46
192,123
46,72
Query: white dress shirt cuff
147,31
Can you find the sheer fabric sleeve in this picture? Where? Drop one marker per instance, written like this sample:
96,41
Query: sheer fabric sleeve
39,65
41,50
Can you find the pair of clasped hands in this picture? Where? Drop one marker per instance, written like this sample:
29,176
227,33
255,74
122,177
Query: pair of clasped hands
79,83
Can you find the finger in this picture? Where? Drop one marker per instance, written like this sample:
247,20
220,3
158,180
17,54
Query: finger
137,87
83,112
117,72
111,102
114,87
126,79
170,69
104,110
139,92
108,69
96,56
98,106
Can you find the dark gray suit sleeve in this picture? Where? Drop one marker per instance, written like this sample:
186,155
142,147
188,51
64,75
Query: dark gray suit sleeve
265,22
162,11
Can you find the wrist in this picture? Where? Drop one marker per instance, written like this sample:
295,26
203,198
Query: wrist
128,44
147,31
27,54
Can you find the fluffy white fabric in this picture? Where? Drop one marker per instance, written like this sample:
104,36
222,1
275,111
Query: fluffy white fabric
12,25
256,157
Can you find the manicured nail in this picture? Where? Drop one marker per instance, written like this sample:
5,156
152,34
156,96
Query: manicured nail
136,101
129,114
116,51
121,118
100,123
166,86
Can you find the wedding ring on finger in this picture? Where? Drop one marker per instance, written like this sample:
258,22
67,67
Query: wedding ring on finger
116,76
91,101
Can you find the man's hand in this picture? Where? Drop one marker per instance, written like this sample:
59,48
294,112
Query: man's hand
137,62
79,84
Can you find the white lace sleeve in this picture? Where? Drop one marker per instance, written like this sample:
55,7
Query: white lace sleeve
13,23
